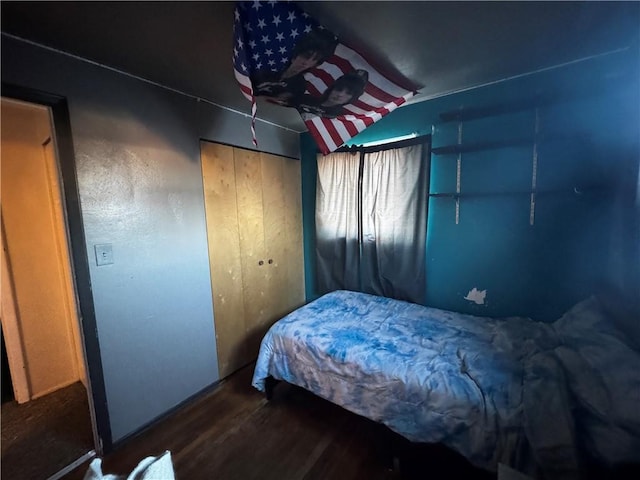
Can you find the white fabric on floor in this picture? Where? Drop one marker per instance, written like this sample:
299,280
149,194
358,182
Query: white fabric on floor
150,468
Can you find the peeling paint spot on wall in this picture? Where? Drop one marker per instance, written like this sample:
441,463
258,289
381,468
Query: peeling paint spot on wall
476,296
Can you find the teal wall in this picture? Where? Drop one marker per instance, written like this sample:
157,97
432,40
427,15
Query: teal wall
585,237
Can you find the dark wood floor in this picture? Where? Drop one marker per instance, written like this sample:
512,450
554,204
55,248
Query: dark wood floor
234,433
43,436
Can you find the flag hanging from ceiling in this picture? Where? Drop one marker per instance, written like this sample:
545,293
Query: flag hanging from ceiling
282,54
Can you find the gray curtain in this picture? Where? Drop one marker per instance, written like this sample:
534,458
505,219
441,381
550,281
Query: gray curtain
337,247
381,251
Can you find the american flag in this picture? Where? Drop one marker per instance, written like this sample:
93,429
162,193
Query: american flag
267,37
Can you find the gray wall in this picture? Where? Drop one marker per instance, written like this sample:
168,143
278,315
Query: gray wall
140,185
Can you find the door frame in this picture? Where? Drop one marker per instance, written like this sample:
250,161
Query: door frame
11,330
61,126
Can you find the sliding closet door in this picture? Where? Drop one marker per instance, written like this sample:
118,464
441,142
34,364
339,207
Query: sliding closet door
219,179
274,211
252,243
273,254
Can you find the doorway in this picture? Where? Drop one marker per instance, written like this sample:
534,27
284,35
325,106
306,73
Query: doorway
47,421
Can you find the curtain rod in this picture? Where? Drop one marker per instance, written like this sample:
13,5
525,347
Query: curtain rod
387,146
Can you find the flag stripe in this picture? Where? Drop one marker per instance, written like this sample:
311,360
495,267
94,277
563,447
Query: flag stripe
329,70
245,85
379,86
357,123
333,133
242,79
379,93
364,116
367,100
322,133
354,58
325,79
342,131
350,127
366,109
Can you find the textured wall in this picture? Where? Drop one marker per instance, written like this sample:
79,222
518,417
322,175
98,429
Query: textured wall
140,182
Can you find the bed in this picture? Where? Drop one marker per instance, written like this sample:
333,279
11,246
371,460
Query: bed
535,396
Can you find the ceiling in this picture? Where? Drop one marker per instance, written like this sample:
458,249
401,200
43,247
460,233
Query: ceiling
442,47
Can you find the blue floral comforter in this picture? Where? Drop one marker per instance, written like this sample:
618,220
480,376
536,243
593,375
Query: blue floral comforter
495,390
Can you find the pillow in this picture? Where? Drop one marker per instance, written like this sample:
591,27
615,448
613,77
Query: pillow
587,315
602,370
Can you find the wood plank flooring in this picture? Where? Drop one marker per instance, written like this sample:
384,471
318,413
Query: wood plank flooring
234,433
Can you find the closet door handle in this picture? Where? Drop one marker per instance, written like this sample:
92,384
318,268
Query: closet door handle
270,261
261,262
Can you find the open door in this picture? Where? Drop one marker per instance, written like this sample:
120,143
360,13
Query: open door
40,322
42,333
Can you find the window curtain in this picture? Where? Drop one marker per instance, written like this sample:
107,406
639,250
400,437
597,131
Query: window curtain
337,224
371,222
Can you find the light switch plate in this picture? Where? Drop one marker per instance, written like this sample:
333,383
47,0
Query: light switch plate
104,254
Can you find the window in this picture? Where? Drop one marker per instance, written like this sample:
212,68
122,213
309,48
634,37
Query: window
371,211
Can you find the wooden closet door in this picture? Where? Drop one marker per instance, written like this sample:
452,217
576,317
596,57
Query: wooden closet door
252,245
223,234
281,199
275,232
